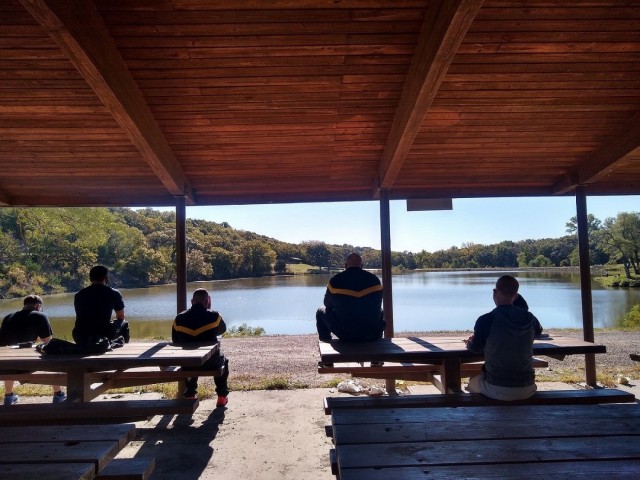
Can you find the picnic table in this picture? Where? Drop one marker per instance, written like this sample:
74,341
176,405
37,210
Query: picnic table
86,376
70,452
449,353
516,442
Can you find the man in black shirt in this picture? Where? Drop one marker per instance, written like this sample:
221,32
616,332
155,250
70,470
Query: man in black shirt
201,324
27,325
94,305
352,305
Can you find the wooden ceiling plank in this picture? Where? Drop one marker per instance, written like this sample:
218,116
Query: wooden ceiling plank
79,31
605,159
446,23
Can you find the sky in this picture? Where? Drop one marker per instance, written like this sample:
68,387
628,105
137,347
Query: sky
483,221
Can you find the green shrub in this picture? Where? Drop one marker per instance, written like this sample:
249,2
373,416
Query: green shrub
632,319
245,330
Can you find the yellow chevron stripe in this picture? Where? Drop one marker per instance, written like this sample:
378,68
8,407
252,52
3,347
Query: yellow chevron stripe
354,293
196,332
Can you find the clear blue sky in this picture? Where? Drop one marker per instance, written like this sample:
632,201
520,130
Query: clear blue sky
483,221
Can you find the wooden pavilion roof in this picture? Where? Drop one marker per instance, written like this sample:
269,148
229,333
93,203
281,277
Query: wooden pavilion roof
135,102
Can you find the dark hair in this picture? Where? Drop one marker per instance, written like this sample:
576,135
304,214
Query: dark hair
31,300
200,296
507,285
98,273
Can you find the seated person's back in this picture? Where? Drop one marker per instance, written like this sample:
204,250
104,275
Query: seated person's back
352,305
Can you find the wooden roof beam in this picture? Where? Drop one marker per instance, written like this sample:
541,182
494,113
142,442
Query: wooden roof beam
445,26
604,160
79,31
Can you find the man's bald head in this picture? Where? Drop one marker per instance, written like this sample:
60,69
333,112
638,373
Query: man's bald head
353,260
201,296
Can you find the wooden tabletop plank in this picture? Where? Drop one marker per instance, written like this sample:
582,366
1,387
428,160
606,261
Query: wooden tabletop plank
487,452
482,429
79,471
429,349
609,469
97,453
561,413
130,355
122,433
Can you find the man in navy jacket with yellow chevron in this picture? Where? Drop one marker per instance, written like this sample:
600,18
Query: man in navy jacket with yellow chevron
201,324
352,305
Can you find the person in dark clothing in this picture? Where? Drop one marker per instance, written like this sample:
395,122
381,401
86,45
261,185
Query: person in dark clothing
201,324
520,302
505,337
25,326
94,305
352,305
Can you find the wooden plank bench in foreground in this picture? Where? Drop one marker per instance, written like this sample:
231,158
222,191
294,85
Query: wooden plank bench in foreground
114,411
520,442
127,469
546,397
70,451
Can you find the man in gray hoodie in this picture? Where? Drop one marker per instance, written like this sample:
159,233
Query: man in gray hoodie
505,336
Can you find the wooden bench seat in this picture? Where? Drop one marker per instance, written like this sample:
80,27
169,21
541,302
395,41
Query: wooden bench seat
409,371
127,469
547,397
112,379
113,411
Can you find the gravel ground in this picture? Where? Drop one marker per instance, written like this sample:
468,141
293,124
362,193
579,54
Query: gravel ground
293,358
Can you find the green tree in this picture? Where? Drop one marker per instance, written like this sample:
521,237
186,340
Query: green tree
621,236
317,253
257,258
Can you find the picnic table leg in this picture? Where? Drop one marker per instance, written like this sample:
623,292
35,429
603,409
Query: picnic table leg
78,388
450,374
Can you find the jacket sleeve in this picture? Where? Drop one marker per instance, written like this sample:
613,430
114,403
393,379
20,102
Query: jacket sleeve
328,298
537,325
480,333
222,328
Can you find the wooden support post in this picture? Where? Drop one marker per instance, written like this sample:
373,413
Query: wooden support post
387,297
181,254
585,282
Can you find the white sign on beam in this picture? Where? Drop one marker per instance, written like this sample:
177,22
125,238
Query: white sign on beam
422,204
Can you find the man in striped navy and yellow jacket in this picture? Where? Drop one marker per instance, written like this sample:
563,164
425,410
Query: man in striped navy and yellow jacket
201,324
352,305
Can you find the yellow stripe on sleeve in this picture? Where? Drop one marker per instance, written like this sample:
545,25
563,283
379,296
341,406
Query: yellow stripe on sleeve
197,331
354,293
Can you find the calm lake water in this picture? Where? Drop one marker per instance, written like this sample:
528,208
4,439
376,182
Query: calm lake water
423,301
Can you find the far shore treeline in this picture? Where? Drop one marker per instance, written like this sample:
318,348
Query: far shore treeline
50,250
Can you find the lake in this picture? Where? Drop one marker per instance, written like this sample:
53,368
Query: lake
423,301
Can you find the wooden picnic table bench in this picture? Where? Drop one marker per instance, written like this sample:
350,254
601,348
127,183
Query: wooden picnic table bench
97,412
543,397
426,372
71,452
449,354
87,376
516,442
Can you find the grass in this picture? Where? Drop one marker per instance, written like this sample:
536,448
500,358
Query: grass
616,278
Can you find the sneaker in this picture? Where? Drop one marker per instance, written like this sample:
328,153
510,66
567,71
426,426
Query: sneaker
11,399
325,339
377,364
59,397
325,365
222,401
